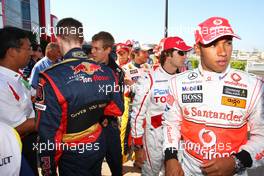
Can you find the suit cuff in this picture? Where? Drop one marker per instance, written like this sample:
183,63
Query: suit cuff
244,158
171,153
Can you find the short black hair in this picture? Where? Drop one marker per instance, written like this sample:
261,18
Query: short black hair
70,28
10,37
106,37
87,48
35,47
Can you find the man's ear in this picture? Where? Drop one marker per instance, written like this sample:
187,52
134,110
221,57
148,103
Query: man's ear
109,49
58,38
11,52
197,49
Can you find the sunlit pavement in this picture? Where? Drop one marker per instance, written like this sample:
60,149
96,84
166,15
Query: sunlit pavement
128,169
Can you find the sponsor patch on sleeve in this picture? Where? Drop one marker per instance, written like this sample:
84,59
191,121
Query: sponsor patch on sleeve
40,93
40,97
40,107
234,102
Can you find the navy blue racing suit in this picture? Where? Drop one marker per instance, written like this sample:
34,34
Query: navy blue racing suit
112,131
71,98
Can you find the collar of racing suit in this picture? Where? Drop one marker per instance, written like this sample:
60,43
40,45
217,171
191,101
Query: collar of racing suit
136,65
177,71
75,53
212,76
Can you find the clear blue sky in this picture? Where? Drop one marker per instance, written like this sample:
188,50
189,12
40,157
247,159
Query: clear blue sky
143,20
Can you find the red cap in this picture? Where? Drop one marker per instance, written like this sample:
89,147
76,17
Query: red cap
129,43
157,49
212,29
122,46
176,43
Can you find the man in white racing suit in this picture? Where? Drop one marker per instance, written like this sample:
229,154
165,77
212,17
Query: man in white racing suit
149,104
134,69
212,109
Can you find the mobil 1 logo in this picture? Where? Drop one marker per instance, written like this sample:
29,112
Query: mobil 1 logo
192,98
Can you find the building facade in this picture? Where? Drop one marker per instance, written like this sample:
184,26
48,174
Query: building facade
30,15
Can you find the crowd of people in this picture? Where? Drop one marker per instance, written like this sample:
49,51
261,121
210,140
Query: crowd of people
78,105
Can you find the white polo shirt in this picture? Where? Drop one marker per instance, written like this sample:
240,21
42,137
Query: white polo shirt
10,151
15,98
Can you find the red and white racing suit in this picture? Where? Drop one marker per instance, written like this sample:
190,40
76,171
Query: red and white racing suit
133,72
213,113
147,109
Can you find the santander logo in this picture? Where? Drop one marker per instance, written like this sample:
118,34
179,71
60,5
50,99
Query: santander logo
213,115
186,112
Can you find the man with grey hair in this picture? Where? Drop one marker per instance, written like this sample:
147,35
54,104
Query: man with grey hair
52,54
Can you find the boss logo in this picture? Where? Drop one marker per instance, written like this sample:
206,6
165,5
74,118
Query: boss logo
192,98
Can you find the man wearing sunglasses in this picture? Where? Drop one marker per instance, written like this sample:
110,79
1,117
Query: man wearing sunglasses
149,104
212,109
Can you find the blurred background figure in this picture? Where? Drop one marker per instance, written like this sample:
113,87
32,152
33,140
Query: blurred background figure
122,52
129,43
52,55
87,49
35,57
133,70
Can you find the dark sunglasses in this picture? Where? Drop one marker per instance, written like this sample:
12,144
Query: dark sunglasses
182,53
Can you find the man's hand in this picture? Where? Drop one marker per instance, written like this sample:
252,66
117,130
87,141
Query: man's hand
128,82
140,157
26,127
219,166
173,168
